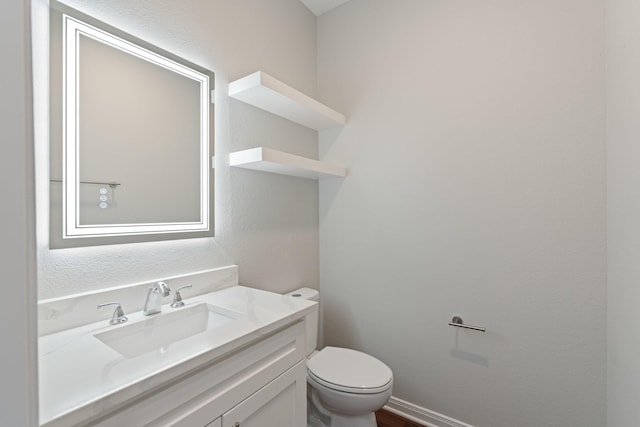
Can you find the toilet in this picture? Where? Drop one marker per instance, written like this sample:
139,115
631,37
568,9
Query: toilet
345,387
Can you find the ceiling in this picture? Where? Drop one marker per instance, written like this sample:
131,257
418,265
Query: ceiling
318,7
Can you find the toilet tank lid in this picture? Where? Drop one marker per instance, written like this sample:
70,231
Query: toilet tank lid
349,368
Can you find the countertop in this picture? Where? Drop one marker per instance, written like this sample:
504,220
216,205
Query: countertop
81,377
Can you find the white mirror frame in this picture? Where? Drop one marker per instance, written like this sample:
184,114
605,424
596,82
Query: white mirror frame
72,29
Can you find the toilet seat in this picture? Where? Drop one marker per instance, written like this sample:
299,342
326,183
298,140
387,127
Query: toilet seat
349,371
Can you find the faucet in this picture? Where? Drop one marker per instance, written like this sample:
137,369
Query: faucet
154,298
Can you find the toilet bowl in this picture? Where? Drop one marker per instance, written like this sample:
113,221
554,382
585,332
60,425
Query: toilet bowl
345,386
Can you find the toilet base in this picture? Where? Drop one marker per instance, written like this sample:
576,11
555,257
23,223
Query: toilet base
319,416
357,421
343,421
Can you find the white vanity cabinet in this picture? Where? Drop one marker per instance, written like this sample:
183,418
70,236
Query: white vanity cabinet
262,384
246,365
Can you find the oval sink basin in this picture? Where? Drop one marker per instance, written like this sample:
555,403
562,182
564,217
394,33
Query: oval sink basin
162,330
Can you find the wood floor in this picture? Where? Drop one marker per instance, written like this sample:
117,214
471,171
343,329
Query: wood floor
388,419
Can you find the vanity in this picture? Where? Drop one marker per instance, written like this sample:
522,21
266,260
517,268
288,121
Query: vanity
228,358
231,356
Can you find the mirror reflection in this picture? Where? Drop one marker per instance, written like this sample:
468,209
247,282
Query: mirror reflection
132,132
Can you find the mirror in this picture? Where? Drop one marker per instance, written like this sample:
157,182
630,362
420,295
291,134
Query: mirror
130,138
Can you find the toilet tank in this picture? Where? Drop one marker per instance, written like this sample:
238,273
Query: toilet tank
311,319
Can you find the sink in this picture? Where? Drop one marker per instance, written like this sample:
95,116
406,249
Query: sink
159,332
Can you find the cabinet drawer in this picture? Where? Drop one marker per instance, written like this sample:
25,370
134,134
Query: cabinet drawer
202,395
280,403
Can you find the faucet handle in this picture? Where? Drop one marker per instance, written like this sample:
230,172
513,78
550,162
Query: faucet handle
118,315
177,298
163,288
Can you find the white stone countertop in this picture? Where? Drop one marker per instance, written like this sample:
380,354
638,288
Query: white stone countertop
81,377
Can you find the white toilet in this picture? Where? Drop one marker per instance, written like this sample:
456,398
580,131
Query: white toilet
345,386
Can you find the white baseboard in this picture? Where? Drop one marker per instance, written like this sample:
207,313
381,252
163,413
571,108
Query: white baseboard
421,415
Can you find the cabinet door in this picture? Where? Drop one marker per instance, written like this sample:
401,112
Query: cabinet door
281,403
215,423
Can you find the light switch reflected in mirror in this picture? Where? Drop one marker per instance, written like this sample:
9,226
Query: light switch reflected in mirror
130,138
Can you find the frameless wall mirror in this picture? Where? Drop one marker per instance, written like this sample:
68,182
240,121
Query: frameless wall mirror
130,138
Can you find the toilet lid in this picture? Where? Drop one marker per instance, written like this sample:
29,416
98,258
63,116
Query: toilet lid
349,370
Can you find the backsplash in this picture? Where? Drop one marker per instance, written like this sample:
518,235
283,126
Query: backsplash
67,312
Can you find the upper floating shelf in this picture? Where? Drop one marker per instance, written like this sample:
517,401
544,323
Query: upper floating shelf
274,161
263,91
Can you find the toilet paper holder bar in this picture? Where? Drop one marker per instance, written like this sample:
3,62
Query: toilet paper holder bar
458,323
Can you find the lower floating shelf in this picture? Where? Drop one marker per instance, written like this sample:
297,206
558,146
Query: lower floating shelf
274,161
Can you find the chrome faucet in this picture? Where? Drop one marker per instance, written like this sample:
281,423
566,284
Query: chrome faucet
154,298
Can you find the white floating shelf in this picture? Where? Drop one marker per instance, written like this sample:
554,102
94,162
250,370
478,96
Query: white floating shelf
268,160
263,91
